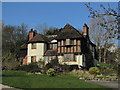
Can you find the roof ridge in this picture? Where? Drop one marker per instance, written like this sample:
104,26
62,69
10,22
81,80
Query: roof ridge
68,26
42,35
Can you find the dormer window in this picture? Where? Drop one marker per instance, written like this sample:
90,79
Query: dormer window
54,46
33,46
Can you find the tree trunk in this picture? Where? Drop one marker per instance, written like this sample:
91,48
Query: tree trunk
99,54
105,52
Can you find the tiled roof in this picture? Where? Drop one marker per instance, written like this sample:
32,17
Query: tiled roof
51,37
51,53
69,32
39,37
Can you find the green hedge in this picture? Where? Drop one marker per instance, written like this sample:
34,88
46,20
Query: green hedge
29,68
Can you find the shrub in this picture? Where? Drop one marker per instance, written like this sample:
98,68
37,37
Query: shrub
58,69
53,64
33,67
51,72
94,70
65,67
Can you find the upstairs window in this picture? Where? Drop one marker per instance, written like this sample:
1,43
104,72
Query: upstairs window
67,41
59,43
78,49
54,46
78,42
74,41
62,42
33,46
71,41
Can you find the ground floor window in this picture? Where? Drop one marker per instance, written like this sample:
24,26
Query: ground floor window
68,57
49,58
33,59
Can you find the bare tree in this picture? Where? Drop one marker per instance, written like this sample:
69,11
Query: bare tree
45,29
96,34
104,26
41,28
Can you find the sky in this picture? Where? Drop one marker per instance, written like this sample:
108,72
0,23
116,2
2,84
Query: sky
55,14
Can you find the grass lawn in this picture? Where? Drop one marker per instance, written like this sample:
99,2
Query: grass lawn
20,79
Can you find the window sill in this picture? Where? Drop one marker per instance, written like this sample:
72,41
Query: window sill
33,48
69,61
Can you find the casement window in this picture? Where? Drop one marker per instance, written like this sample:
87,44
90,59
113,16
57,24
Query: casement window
33,59
78,42
75,48
67,41
68,49
74,41
62,42
47,59
33,46
52,58
71,49
62,49
58,49
65,49
71,41
59,43
54,46
68,57
50,46
78,49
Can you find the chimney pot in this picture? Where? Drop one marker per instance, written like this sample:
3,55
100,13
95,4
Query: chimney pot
32,33
85,30
31,29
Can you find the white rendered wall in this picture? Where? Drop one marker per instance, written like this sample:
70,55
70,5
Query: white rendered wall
38,52
79,59
60,59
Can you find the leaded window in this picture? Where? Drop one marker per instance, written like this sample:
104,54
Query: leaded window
33,46
68,57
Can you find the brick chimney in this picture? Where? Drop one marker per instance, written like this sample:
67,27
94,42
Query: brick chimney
85,30
31,34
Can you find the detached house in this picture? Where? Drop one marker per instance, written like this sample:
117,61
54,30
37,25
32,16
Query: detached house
69,46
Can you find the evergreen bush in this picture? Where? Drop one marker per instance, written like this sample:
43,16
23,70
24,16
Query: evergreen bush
94,70
51,72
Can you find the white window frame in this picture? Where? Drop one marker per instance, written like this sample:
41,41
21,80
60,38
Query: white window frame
67,41
75,41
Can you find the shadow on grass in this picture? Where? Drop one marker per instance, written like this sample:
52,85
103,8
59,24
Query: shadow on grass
12,76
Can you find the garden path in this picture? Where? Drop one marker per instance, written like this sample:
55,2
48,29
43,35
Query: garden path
4,87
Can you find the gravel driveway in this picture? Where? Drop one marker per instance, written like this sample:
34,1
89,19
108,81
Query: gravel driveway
110,84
